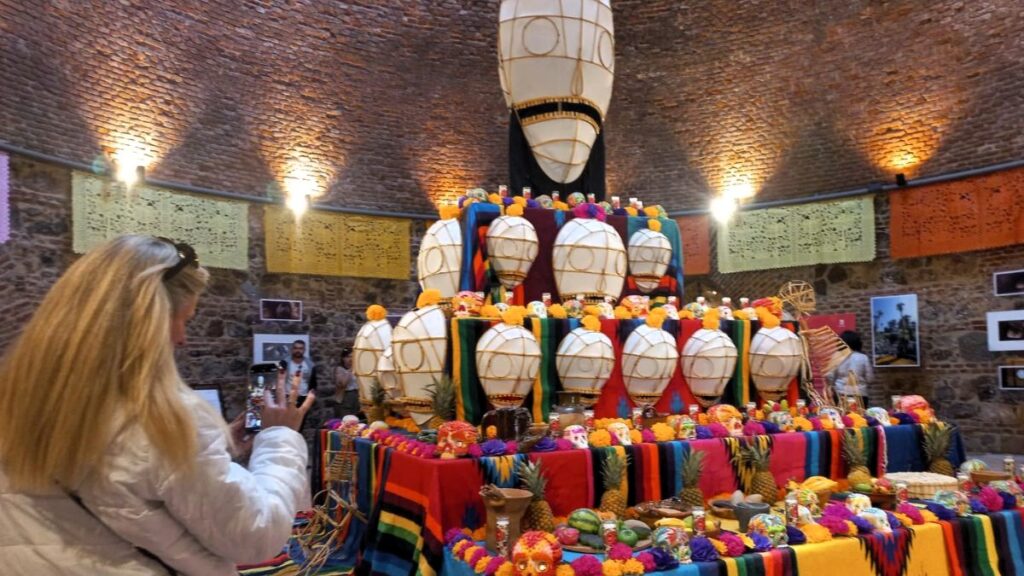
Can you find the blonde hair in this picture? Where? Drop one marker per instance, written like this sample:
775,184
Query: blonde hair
99,345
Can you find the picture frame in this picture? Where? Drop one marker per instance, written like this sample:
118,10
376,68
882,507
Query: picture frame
280,310
276,347
213,394
1011,377
895,326
1005,330
1008,283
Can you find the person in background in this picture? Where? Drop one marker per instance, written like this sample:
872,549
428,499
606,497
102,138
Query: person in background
859,365
347,395
109,463
300,366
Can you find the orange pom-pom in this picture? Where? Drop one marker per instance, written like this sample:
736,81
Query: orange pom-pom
519,201
428,298
514,210
449,212
559,205
711,321
768,320
631,211
651,212
653,224
557,311
592,323
376,312
622,313
494,199
489,311
512,317
655,320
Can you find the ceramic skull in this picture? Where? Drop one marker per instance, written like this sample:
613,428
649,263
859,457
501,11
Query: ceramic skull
858,503
536,554
537,309
621,432
607,310
351,425
467,303
781,418
671,312
672,539
879,414
727,416
577,435
455,438
804,516
834,415
877,518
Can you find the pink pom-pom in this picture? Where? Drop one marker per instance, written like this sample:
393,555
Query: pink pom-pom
511,447
911,511
587,565
718,430
648,436
647,560
838,510
847,421
816,424
733,544
493,565
564,444
991,499
475,451
620,551
836,525
753,428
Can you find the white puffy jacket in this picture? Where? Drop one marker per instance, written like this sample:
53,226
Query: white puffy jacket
201,524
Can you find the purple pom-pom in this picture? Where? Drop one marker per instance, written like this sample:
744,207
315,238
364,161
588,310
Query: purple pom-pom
546,444
1009,500
761,542
771,427
704,433
663,560
507,201
718,430
978,507
703,550
462,200
838,510
905,418
531,203
894,522
620,212
494,447
940,511
794,535
753,428
863,526
872,421
333,424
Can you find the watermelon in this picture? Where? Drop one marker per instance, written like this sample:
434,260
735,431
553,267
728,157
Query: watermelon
643,531
628,537
585,520
592,541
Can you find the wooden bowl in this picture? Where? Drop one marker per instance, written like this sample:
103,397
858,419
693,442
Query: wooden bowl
986,476
641,545
654,510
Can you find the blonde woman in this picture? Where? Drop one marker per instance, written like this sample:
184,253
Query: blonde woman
109,464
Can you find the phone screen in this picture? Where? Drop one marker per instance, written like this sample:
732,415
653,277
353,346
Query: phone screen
262,376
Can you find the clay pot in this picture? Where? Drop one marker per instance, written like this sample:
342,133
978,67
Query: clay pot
513,503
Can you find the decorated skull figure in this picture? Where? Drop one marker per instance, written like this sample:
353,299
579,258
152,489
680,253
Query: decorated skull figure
727,416
467,303
621,433
577,435
955,500
671,312
351,426
537,309
809,498
877,518
673,540
804,516
781,418
858,503
879,414
834,415
455,438
607,310
536,554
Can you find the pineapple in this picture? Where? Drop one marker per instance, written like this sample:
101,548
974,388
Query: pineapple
538,514
613,500
692,468
853,453
936,447
763,483
442,401
377,407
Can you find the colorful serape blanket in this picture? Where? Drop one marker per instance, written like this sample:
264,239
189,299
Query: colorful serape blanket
411,501
477,276
982,544
471,402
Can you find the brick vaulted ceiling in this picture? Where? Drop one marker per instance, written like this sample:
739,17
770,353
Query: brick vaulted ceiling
393,104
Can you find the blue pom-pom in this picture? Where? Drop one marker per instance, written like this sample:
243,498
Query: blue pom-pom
894,522
771,427
1009,500
978,507
795,536
940,511
761,542
507,201
546,444
863,526
872,421
704,433
620,212
531,203
905,418
703,550
663,559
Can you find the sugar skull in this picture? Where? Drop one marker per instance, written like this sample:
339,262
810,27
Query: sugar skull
573,308
351,426
955,500
673,540
771,526
477,194
804,516
536,554
879,414
834,415
727,416
671,312
808,498
575,199
455,438
637,305
725,312
621,432
919,407
607,310
684,426
467,303
780,418
877,518
545,201
537,309
577,435
696,309
858,503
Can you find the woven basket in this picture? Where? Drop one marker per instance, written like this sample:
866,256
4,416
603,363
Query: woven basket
986,476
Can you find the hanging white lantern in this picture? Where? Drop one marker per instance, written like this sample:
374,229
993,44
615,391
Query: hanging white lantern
511,248
556,66
775,358
507,361
649,358
584,361
589,259
439,262
649,255
372,339
419,343
708,361
386,374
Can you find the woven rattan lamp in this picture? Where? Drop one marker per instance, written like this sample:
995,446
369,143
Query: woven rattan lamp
775,358
439,261
507,361
708,361
589,259
420,342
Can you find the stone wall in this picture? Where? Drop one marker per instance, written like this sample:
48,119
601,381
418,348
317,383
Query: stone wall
957,374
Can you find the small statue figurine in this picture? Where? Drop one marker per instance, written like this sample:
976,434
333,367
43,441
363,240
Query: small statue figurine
455,438
577,435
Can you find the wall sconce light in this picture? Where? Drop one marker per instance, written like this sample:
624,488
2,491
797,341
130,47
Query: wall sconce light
722,208
901,180
128,163
298,203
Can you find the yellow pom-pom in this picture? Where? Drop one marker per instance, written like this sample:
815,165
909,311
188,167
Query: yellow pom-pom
514,210
565,570
519,201
739,315
903,518
636,436
720,546
467,202
592,323
591,310
655,320
600,439
428,298
816,533
663,432
489,311
929,516
622,313
559,205
449,212
858,420
633,567
801,424
611,568
495,199
557,311
631,211
710,321
376,312
651,212
654,225
481,564
506,569
512,317
768,320
686,315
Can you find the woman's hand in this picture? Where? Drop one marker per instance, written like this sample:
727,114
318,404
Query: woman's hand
281,411
240,437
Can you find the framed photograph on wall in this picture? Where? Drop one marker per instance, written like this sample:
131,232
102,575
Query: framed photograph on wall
1006,330
212,394
281,310
895,342
276,347
1009,283
1011,377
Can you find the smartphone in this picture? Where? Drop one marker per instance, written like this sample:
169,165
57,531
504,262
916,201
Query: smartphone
262,376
